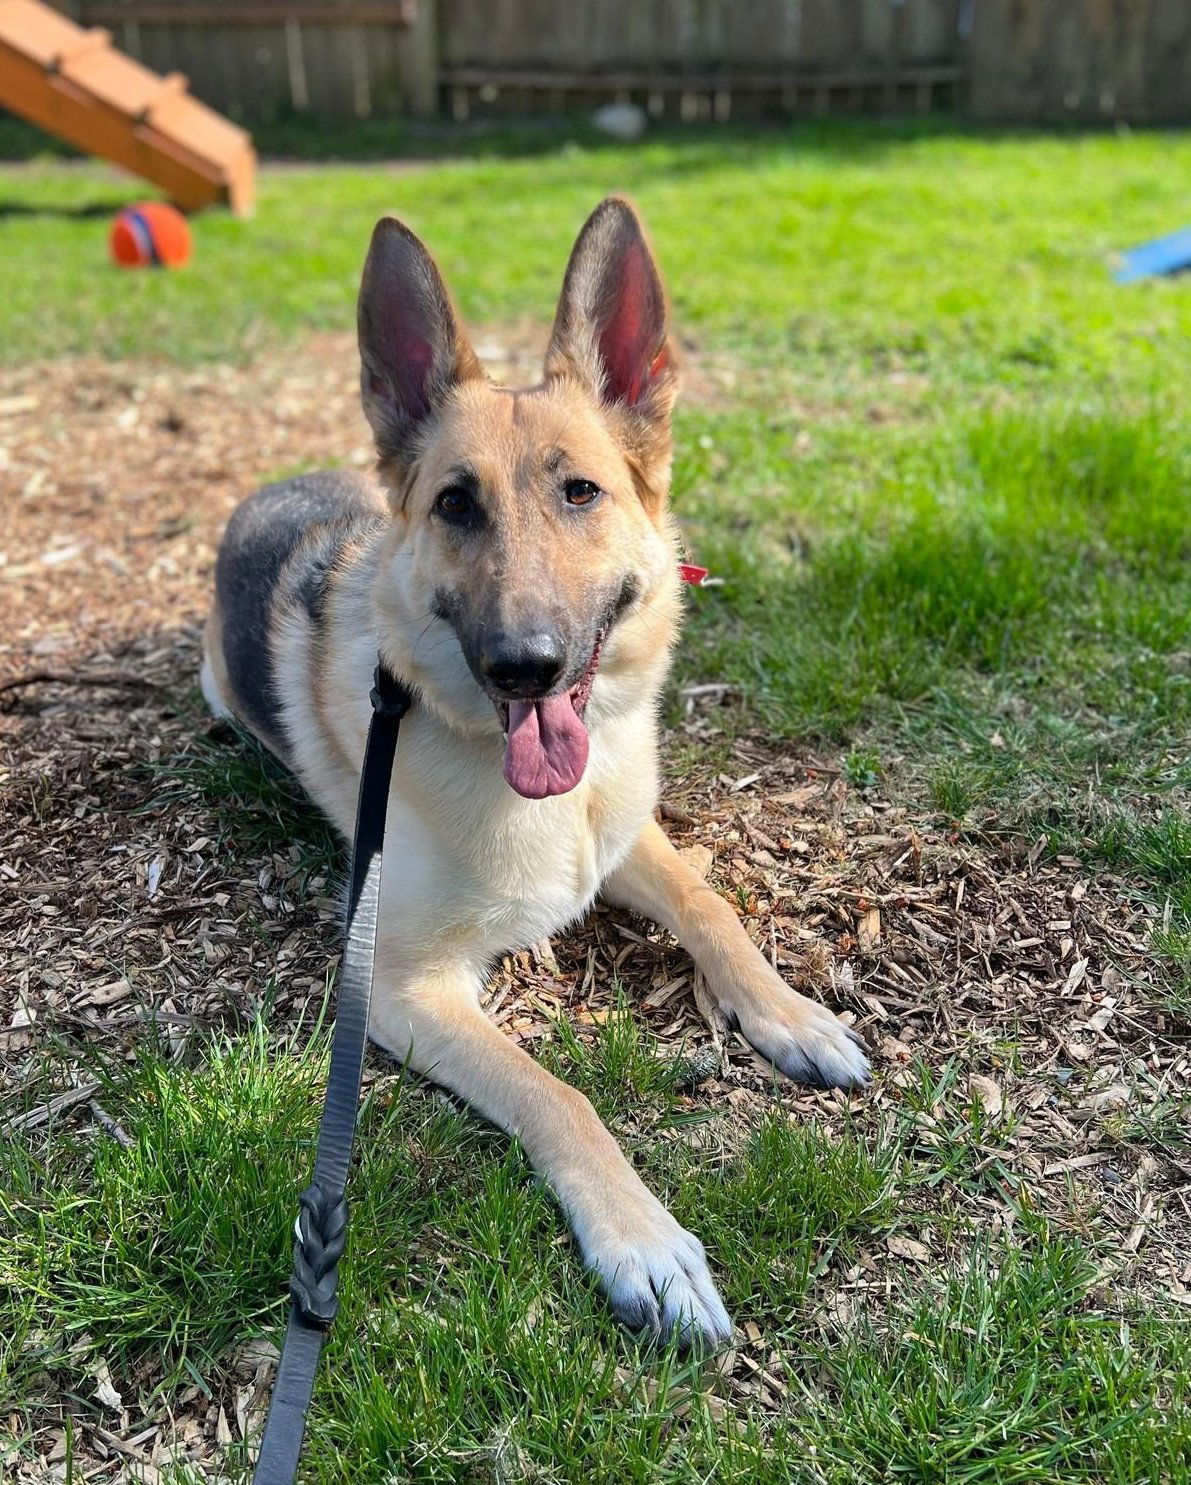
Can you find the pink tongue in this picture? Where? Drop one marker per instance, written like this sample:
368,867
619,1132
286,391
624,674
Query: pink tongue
547,747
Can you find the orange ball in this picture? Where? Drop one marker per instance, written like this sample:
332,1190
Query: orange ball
150,234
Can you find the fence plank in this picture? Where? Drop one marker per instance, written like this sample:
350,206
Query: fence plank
690,35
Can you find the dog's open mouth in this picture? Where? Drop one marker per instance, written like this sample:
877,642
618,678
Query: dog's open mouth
546,743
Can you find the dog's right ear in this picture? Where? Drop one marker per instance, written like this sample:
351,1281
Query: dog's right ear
412,350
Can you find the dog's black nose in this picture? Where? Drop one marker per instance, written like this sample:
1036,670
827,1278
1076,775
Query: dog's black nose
523,664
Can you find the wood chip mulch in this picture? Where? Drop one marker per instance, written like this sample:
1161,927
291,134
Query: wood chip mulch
126,896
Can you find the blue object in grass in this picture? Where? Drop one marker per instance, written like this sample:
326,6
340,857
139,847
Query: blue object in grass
1164,255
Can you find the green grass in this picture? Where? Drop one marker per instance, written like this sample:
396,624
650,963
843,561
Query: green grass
1001,601
469,1336
1004,1372
174,1240
953,559
949,494
843,249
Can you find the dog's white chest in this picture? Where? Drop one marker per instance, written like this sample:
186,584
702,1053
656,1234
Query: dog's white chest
471,862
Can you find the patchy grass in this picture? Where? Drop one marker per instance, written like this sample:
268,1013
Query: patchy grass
172,1237
1003,1372
250,795
1008,601
943,471
470,1341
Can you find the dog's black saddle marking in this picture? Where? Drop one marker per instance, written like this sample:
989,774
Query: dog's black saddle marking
317,512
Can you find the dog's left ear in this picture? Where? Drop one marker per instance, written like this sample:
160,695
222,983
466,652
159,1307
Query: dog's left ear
610,333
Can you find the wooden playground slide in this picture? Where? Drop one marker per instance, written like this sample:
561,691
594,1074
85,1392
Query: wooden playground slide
73,83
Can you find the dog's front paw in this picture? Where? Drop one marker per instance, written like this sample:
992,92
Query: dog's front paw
656,1276
803,1039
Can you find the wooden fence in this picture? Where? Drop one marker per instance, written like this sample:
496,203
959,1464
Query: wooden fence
701,58
257,59
692,59
1082,59
688,59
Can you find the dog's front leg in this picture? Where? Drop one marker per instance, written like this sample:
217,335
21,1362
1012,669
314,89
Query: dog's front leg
654,1271
800,1037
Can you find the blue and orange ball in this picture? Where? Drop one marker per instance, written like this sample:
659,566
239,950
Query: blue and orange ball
150,234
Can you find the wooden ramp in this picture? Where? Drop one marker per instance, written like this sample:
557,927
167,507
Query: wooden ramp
73,83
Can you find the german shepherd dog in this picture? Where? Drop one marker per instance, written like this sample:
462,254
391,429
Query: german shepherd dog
517,566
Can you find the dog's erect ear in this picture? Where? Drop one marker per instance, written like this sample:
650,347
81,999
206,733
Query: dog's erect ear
412,351
610,329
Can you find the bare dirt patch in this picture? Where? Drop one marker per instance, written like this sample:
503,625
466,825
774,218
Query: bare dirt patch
129,892
117,478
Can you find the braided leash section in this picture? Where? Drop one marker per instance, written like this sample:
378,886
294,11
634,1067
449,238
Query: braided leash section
320,1234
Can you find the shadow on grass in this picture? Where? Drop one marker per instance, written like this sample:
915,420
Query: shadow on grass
1014,603
84,212
250,794
1009,544
315,139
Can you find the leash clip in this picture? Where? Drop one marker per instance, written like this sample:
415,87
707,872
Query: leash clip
389,696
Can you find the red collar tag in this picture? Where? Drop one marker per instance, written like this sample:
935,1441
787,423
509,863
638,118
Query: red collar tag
692,574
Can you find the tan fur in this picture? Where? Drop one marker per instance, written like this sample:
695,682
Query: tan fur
473,870
216,687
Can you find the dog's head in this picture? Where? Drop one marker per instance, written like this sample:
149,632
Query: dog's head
529,580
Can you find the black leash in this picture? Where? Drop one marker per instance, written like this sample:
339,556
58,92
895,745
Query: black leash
321,1228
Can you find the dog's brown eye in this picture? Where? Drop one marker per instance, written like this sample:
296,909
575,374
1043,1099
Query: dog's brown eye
455,503
581,492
